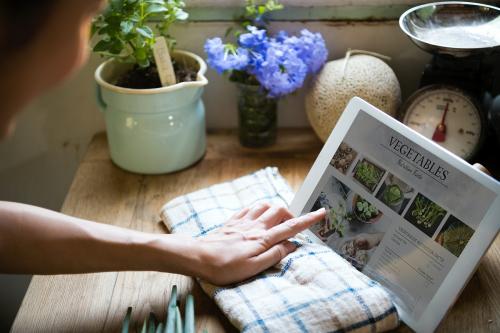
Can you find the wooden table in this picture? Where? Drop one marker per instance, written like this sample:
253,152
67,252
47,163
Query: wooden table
105,193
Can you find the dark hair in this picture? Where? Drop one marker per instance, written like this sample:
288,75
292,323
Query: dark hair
20,21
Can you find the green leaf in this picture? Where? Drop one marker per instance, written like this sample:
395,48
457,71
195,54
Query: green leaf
135,17
189,323
102,46
151,323
140,54
105,30
126,320
116,4
114,21
172,304
93,29
181,15
144,326
116,47
155,9
228,32
126,27
272,5
139,41
178,320
145,31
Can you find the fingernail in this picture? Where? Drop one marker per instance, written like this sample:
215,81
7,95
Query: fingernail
320,211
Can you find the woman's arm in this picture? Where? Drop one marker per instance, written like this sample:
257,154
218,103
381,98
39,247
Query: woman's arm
39,241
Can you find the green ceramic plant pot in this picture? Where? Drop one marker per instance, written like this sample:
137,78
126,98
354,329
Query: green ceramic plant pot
153,131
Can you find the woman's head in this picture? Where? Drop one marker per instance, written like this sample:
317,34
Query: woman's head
41,43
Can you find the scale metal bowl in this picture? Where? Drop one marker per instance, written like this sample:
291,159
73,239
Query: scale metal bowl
456,28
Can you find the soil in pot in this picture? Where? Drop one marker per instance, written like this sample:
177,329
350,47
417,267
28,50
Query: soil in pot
148,78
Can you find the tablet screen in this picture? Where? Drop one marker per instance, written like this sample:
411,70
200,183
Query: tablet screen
397,212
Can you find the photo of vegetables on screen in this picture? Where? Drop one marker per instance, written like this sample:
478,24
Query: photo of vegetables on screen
395,193
454,236
425,214
368,174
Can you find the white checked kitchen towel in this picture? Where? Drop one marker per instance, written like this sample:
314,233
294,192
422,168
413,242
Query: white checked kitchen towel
311,290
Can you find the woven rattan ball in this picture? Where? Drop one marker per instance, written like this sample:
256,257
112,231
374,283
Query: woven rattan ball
364,76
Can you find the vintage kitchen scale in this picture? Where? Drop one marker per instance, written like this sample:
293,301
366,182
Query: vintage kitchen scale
453,106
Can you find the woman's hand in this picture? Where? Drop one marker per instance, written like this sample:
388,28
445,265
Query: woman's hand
38,241
251,241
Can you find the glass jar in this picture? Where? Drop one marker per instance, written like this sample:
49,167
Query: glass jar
257,116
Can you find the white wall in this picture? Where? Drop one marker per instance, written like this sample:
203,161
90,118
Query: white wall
38,163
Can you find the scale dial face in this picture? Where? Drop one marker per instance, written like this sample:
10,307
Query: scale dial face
447,116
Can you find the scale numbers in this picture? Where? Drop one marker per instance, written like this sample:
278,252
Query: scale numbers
447,116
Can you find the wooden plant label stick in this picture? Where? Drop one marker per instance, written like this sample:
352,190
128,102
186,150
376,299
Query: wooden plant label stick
163,62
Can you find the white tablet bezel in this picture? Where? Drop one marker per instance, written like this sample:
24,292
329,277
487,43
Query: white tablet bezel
484,235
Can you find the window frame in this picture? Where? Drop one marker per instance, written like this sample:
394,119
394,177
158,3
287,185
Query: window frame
308,10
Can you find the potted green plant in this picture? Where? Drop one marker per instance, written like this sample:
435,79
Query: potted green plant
152,128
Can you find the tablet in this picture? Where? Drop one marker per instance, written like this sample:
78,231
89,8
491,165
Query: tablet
401,209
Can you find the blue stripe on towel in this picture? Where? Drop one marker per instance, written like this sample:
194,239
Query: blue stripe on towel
259,320
295,317
195,215
358,298
303,306
367,322
180,203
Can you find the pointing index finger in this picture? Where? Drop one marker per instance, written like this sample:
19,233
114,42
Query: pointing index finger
274,216
293,226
